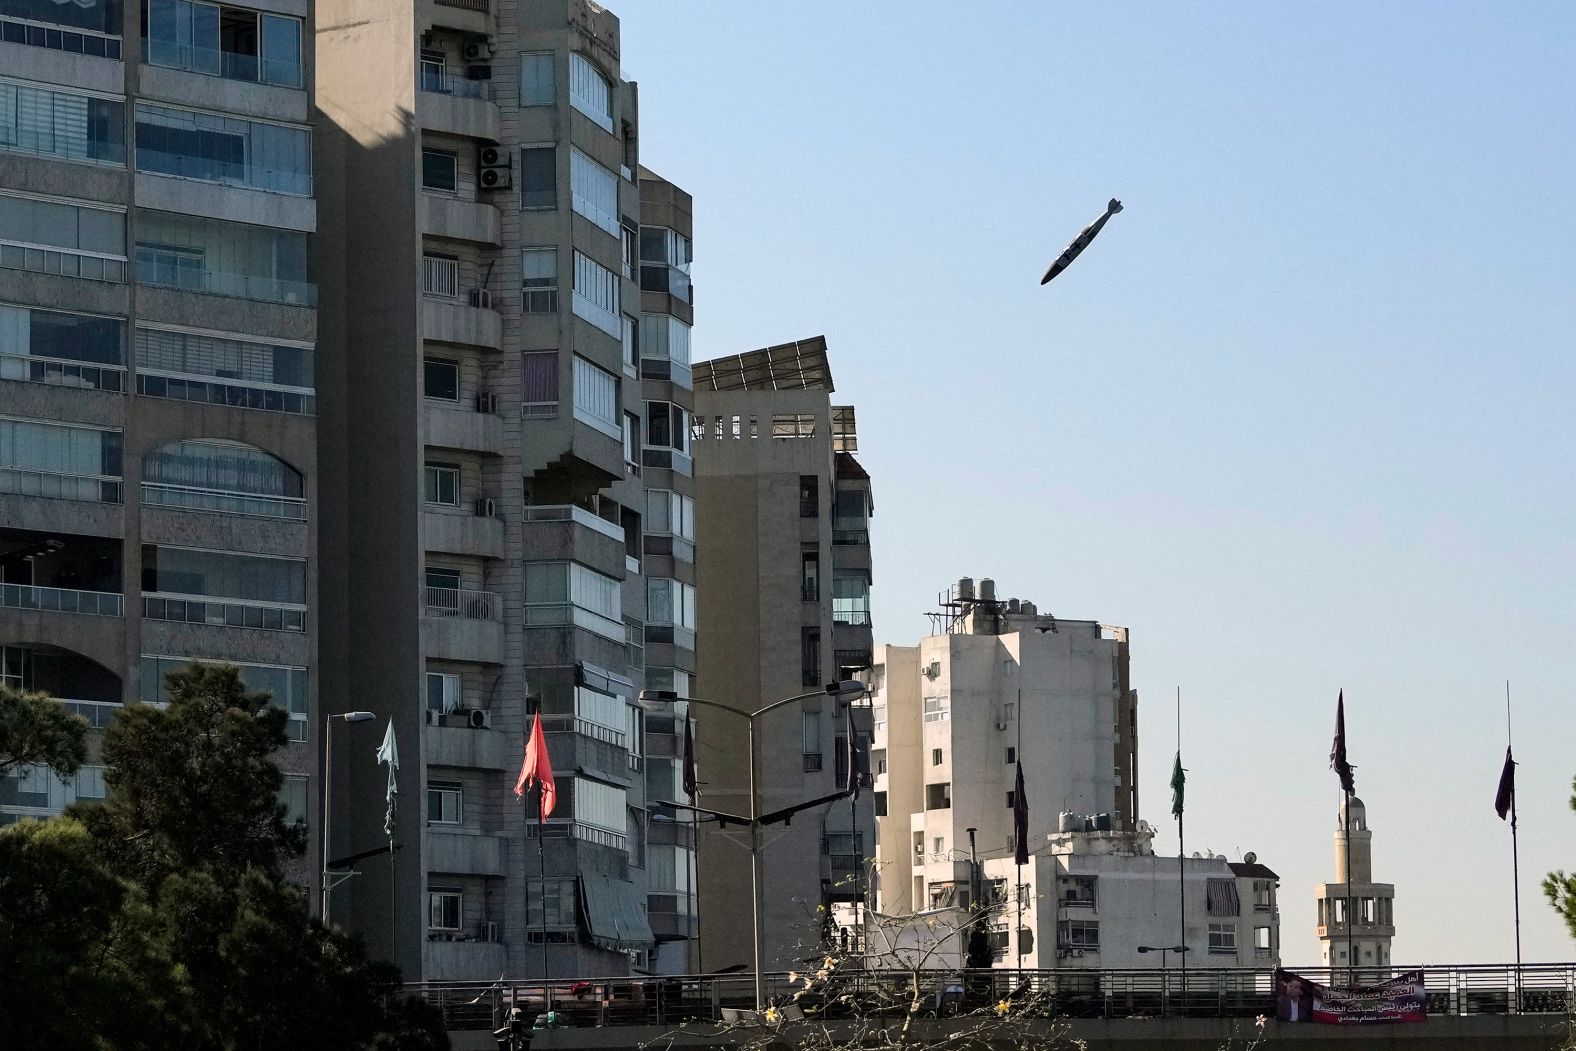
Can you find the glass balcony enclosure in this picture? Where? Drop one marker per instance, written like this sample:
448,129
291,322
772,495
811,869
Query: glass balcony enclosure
223,588
223,41
67,350
223,258
665,262
224,477
60,572
60,461
232,150
83,27
53,236
187,366
53,123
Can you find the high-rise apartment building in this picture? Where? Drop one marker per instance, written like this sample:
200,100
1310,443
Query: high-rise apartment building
508,520
783,521
159,482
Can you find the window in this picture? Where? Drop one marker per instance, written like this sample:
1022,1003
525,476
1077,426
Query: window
214,148
671,513
223,588
440,170
596,397
590,92
440,379
293,796
540,382
631,443
600,806
631,344
286,686
445,803
935,757
223,258
568,592
809,496
214,370
442,484
810,656
851,597
665,349
536,78
671,602
444,908
32,332
596,296
57,237
59,461
228,42
1078,934
36,119
1261,941
938,796
1222,939
878,760
442,578
810,576
881,804
538,177
1012,798
1077,891
812,741
667,426
593,190
629,237
936,709
539,279
1012,755
95,18
938,845
443,692
1263,895
211,474
558,896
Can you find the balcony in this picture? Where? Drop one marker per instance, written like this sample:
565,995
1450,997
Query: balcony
477,535
469,322
851,536
475,427
219,501
569,533
469,748
453,105
60,600
174,268
475,960
463,625
55,486
206,391
458,220
464,853
464,604
223,613
62,372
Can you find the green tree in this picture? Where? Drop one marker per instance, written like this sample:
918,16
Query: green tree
36,730
1560,888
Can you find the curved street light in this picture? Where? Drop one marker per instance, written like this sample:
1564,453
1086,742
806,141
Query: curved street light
656,700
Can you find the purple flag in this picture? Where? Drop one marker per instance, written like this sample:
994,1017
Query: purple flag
1505,798
1338,763
690,781
1020,821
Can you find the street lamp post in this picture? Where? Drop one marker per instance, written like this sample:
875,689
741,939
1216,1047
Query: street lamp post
839,690
1163,950
328,788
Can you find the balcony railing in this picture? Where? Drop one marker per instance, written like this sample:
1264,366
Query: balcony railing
441,81
855,617
464,603
174,269
220,501
851,537
225,613
57,486
854,659
467,5
62,372
97,713
218,392
576,514
583,727
440,277
60,600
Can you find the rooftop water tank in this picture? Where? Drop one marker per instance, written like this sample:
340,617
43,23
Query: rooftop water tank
965,588
1029,609
1013,606
987,589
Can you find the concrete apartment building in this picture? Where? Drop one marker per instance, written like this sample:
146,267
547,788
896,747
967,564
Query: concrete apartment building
1001,683
783,520
508,503
1363,938
159,479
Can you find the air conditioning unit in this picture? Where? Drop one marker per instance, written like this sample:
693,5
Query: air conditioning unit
492,168
486,401
476,51
476,718
486,507
481,297
933,670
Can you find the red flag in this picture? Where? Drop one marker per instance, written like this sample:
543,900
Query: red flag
538,769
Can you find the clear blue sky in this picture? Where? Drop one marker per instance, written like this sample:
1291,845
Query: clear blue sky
1301,418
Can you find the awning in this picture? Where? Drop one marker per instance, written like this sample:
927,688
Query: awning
615,914
1221,897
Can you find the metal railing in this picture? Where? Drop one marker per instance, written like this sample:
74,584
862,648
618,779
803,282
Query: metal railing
225,613
440,277
467,5
578,515
858,618
851,537
222,392
1452,990
463,603
99,714
61,600
55,486
221,501
62,372
442,81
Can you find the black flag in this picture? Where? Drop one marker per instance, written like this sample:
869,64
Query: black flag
689,760
1020,821
1338,763
1505,798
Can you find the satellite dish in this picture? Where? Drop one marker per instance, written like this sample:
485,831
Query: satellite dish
1250,857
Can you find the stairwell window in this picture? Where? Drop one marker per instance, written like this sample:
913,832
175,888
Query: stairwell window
596,298
590,92
539,279
596,398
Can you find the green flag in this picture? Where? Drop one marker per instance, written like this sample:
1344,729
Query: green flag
1178,783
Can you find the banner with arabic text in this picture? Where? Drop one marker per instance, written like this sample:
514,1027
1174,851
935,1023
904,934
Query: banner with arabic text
1400,999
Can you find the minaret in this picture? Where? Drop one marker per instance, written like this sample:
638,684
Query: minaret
1371,902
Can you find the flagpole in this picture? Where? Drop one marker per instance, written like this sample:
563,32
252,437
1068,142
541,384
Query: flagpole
1515,849
541,866
1351,919
1181,865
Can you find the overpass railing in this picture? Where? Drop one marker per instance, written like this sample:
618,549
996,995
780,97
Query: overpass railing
1452,989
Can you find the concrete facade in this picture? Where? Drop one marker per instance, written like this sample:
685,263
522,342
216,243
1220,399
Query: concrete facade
783,519
498,255
1364,937
159,489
